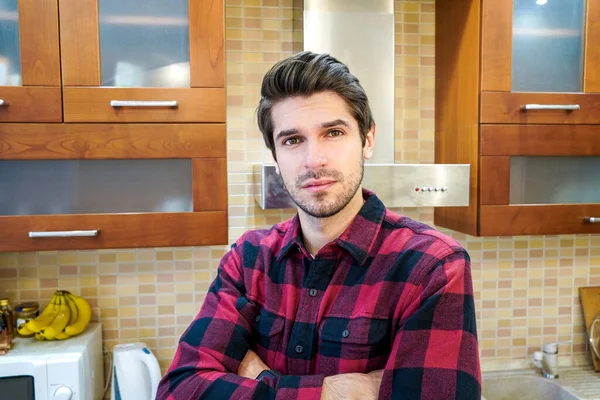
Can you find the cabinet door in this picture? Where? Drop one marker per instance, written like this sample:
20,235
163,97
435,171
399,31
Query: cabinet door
29,61
143,60
112,185
539,179
540,61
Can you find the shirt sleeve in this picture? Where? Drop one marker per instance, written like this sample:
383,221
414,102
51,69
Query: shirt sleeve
210,351
435,352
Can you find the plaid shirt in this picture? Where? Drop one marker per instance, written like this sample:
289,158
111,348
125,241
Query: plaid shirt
389,293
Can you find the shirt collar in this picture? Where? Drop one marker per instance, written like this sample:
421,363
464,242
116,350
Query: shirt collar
357,239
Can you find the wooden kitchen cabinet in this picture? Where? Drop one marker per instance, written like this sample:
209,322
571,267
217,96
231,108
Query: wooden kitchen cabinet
131,175
29,61
143,60
517,98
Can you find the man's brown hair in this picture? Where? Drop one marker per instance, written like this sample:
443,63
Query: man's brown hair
305,74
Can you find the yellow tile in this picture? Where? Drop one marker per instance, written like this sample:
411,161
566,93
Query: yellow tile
202,276
108,302
536,244
147,332
107,257
184,287
184,254
25,284
8,260
164,255
185,309
128,334
125,312
251,3
146,278
67,258
88,281
126,256
68,283
165,299
582,242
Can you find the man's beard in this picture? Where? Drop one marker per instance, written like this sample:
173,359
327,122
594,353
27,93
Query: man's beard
317,207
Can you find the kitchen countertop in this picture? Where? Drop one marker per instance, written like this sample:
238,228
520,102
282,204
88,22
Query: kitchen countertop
581,379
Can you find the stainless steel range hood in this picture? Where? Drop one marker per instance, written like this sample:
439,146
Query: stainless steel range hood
360,33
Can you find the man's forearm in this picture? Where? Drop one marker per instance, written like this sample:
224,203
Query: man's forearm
352,386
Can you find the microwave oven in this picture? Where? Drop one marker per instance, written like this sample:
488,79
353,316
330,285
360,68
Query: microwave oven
71,369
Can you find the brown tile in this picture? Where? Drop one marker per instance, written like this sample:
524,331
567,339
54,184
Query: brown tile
108,280
68,270
165,310
125,301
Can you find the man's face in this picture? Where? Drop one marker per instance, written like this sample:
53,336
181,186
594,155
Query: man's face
319,152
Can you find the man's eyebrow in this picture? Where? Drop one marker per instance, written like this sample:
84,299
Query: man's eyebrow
293,131
286,133
335,122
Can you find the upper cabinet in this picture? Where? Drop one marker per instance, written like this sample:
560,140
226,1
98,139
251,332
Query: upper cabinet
29,61
143,60
539,61
112,124
518,98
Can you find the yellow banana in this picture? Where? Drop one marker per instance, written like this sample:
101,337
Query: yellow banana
85,315
46,317
62,336
72,306
24,331
40,336
60,321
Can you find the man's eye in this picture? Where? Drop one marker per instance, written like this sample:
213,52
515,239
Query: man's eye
291,141
335,132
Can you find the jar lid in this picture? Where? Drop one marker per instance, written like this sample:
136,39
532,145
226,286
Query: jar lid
27,307
4,302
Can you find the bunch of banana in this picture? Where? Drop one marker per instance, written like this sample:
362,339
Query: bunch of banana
66,315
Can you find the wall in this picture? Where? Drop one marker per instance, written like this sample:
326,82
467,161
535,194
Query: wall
525,287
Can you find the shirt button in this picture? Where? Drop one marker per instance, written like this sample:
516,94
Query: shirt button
257,318
346,333
299,349
312,292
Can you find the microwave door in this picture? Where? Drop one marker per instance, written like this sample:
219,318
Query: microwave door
23,380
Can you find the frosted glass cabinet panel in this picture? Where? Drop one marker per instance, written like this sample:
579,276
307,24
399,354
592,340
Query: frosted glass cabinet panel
10,51
144,43
39,187
554,180
548,45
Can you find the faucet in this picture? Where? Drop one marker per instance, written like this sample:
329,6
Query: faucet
547,359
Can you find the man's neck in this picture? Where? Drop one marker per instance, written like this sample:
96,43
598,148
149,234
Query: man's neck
317,232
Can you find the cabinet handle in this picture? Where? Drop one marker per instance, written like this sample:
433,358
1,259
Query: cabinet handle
55,234
563,107
1,102
136,103
592,220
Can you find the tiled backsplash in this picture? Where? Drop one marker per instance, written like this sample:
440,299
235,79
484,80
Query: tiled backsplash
525,287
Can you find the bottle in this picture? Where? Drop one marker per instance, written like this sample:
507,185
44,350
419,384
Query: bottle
8,317
24,312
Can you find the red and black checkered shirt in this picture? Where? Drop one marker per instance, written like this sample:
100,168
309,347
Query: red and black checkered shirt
389,293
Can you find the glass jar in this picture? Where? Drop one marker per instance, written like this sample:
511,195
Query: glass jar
24,312
8,317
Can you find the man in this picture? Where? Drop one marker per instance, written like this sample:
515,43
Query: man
347,300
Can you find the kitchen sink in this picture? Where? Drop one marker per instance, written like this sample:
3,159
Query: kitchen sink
525,388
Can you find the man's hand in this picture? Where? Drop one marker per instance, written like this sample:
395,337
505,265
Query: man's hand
251,366
352,386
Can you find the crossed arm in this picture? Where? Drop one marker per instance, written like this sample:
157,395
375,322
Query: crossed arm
335,387
434,354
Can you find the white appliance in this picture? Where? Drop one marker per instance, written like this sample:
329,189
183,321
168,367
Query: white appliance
135,374
71,369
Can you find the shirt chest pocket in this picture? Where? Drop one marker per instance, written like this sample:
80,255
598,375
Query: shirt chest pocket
268,335
355,339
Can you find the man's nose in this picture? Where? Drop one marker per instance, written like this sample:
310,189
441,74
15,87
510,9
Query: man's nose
315,156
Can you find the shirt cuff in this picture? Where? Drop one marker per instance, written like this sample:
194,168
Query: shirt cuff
296,386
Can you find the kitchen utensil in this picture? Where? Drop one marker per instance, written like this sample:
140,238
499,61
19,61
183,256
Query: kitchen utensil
590,305
136,373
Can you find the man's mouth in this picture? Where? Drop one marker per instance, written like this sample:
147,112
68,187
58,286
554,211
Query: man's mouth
318,185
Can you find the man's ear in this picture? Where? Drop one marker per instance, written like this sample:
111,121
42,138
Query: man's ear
369,143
